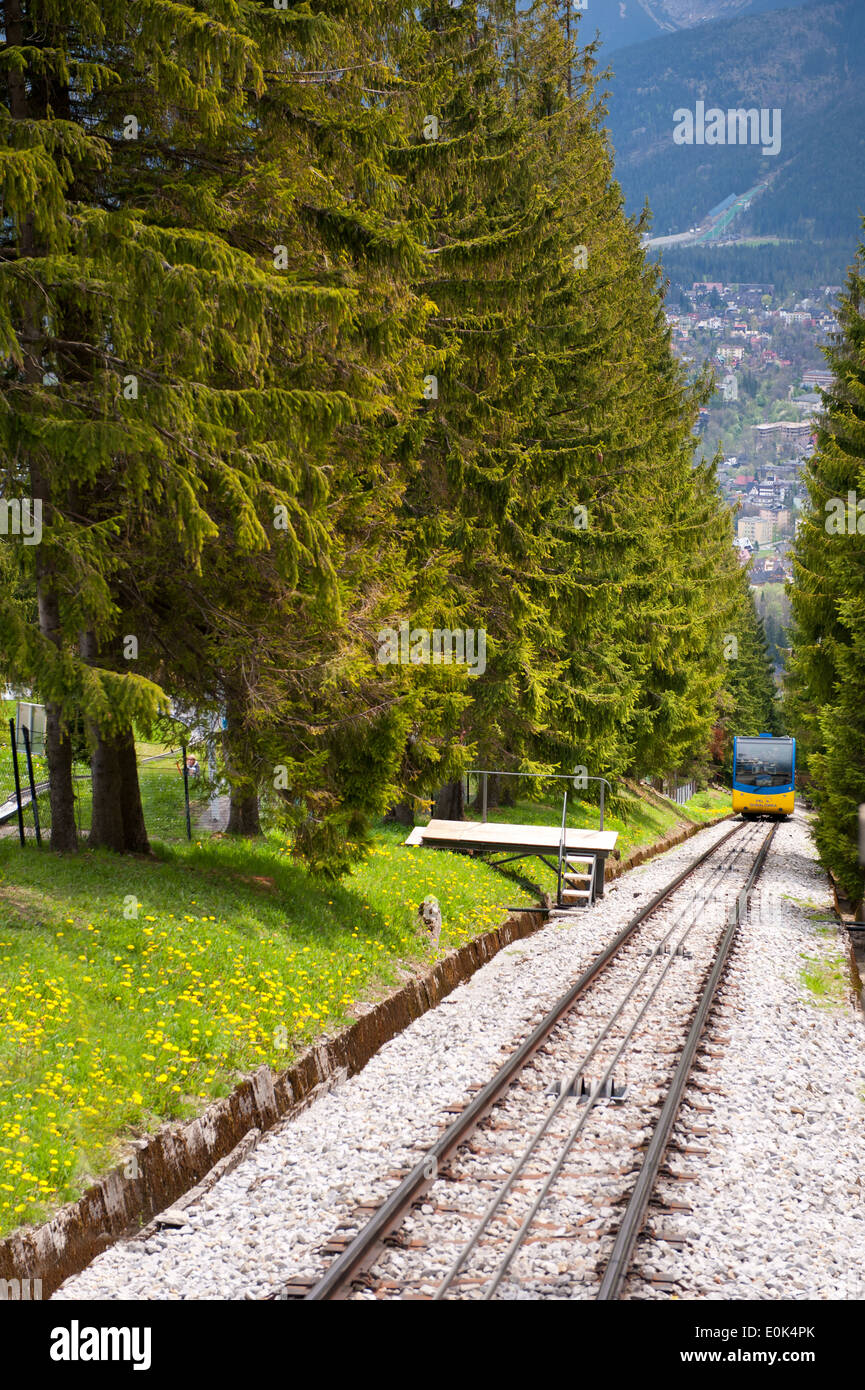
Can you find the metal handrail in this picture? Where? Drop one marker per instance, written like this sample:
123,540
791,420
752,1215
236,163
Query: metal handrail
562,839
486,772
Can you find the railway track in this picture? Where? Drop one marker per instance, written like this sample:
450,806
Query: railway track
559,1153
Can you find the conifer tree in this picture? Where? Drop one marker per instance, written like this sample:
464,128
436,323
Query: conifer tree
748,701
148,398
828,598
321,320
634,568
468,177
292,659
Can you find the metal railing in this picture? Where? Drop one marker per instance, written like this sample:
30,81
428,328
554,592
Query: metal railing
562,842
485,772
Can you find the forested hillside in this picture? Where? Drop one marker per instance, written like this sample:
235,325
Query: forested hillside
808,62
318,322
622,24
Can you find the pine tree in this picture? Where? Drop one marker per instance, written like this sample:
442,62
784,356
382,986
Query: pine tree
828,598
148,398
748,702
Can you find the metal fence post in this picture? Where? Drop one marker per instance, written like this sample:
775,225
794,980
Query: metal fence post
34,803
601,826
14,742
484,817
213,774
186,791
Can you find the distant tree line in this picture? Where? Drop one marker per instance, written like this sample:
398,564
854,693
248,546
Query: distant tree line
792,267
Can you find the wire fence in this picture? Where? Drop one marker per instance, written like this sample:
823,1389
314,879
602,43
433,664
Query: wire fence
683,793
25,807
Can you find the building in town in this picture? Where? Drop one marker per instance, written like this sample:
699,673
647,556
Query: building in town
754,528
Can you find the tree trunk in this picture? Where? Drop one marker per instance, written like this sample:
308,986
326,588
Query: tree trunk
117,821
106,824
58,747
508,793
401,814
498,792
243,816
449,801
61,791
118,816
135,839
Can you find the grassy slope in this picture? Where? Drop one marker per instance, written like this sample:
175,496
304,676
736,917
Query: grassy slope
134,991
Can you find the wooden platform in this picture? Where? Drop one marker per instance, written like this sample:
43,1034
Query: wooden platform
515,840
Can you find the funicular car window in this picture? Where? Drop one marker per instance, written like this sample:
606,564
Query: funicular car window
763,762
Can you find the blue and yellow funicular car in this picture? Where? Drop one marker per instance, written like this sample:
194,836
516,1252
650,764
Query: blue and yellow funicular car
764,770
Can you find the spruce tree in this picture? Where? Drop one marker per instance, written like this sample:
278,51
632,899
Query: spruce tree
634,568
287,645
148,397
828,598
748,701
473,200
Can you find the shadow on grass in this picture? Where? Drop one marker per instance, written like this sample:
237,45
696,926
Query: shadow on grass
250,885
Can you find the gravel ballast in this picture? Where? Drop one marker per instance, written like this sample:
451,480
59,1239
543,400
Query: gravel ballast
779,1202
264,1222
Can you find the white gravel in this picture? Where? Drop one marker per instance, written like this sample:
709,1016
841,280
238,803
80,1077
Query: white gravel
634,1018
779,1202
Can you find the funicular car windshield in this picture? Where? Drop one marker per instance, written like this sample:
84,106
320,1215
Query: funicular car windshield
763,762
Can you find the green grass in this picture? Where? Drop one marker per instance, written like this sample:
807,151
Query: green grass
826,980
707,805
133,991
112,1023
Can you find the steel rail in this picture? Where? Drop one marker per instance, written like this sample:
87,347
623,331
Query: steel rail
619,1262
364,1247
591,1100
522,1159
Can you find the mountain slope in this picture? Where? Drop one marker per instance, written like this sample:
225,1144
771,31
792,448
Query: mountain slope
808,62
623,22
